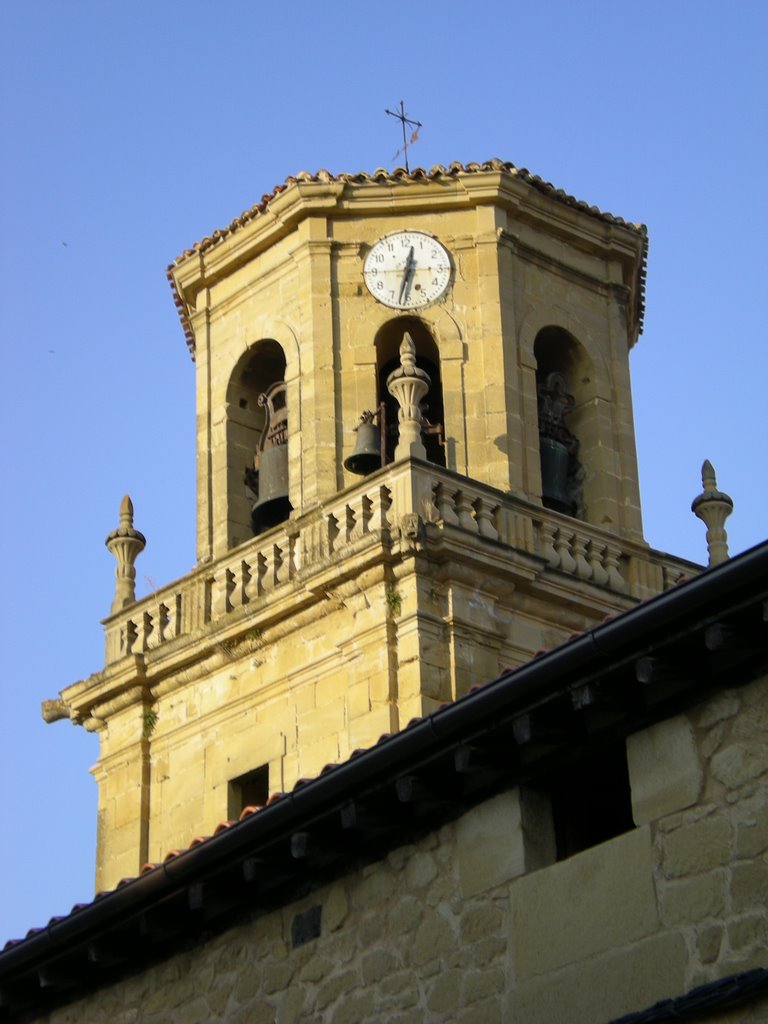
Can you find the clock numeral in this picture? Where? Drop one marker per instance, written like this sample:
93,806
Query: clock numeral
380,284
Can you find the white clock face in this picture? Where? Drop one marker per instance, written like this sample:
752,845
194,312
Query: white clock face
407,270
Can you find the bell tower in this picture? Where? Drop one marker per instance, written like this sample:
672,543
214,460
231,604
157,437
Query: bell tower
478,323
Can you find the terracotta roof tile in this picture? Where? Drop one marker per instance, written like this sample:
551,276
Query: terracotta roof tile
398,175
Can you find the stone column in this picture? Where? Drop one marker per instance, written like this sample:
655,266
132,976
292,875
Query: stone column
713,508
408,385
126,544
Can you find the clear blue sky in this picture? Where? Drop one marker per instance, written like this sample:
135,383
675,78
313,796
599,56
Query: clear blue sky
132,130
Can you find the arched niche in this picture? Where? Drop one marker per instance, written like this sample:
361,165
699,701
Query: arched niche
258,369
387,341
565,390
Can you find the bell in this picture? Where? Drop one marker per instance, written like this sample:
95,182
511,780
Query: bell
272,506
367,454
554,475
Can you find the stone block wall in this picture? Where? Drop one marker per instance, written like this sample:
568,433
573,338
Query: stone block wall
465,926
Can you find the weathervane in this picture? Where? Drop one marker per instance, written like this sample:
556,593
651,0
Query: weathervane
406,141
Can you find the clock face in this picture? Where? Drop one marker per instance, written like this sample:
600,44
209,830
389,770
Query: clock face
407,270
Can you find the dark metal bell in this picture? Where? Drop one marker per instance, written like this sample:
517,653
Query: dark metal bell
554,475
367,454
272,506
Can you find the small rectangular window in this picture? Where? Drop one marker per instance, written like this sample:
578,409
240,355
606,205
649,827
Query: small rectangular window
590,800
249,790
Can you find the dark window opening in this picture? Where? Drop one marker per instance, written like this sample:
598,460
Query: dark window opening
260,368
249,790
591,801
388,343
557,377
306,926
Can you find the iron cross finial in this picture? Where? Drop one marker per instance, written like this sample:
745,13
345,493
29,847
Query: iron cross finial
401,116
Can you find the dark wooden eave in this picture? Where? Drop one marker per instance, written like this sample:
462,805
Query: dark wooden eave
661,657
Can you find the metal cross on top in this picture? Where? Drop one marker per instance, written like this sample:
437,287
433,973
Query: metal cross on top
406,141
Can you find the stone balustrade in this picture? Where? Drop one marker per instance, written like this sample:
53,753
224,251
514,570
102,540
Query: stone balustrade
369,513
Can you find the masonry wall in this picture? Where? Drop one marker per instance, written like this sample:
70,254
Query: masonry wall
466,926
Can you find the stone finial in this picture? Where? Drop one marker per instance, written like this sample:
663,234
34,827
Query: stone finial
126,544
408,385
713,508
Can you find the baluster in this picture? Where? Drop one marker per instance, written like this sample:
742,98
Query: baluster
129,634
293,550
262,570
444,499
280,565
163,623
241,577
485,513
548,550
236,593
381,501
224,584
464,511
595,555
357,514
314,541
333,532
615,579
147,638
563,548
348,525
583,569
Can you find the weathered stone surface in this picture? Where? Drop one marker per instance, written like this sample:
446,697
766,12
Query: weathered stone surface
598,899
697,847
665,771
607,986
749,932
709,943
480,922
740,763
752,837
489,844
693,899
335,908
749,885
378,964
722,706
420,870
434,938
443,992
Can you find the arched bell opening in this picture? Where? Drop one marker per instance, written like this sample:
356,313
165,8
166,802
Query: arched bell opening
388,341
563,390
257,423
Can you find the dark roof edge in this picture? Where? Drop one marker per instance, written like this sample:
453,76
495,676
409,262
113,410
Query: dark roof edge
715,995
630,634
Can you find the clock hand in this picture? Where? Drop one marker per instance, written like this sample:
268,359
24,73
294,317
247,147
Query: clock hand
406,275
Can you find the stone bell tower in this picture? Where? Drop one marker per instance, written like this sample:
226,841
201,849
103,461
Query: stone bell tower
480,322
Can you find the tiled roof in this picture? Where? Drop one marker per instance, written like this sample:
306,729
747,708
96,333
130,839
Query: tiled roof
398,176
713,621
